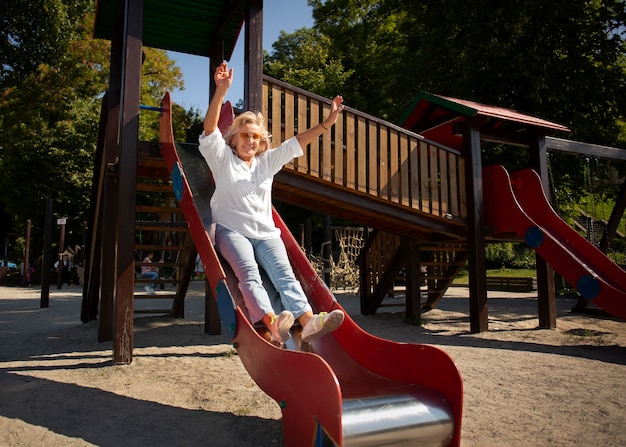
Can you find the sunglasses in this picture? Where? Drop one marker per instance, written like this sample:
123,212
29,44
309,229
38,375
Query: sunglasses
254,136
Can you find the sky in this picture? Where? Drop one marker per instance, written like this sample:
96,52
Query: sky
278,15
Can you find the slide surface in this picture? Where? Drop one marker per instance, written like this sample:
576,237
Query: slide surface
346,364
517,203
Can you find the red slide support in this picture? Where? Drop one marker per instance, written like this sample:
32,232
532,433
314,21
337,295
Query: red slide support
349,363
517,204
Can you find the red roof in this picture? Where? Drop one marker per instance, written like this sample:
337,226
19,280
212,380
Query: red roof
436,117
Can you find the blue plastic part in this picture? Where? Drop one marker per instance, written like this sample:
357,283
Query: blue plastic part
319,439
177,181
226,308
151,108
534,237
588,287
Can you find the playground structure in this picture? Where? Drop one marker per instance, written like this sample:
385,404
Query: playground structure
333,392
419,186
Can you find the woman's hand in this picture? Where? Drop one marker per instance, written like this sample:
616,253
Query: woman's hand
336,106
223,77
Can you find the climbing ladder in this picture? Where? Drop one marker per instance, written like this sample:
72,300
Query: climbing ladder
444,263
388,258
160,228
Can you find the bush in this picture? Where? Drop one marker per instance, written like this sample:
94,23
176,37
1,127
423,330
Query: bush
499,255
509,255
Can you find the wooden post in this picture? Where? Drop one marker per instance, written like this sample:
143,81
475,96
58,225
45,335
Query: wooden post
93,245
327,251
127,179
26,272
103,258
546,291
45,263
479,314
60,255
212,322
413,279
253,59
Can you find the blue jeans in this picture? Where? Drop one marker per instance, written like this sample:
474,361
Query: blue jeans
245,255
151,275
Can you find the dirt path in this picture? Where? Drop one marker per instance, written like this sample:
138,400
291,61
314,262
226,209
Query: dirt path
523,386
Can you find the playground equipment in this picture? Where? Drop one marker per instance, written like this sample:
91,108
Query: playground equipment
517,203
354,388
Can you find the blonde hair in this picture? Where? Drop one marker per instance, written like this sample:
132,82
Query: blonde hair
249,118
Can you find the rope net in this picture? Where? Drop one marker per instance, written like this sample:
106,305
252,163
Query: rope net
344,267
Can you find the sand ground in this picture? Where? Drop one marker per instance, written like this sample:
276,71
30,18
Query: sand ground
523,386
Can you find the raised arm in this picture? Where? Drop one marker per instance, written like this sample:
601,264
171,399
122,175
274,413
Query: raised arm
223,78
306,137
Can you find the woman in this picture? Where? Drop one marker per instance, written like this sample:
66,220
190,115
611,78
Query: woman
243,166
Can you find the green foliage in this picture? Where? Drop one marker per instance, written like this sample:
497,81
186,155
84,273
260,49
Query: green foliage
35,32
499,255
188,124
304,59
373,41
158,75
563,60
52,81
509,255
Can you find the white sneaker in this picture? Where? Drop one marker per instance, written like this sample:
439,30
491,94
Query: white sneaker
149,290
281,325
321,324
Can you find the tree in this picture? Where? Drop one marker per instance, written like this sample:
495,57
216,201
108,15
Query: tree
304,59
366,38
36,32
563,60
50,114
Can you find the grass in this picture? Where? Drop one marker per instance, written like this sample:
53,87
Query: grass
463,278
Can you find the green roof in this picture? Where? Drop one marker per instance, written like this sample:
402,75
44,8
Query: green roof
185,26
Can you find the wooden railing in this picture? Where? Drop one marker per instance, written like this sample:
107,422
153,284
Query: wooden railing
367,154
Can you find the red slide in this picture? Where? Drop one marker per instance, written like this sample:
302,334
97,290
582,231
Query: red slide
517,204
325,395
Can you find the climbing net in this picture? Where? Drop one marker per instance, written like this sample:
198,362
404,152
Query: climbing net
344,268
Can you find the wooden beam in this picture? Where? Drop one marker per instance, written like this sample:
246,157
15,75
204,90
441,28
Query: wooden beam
104,255
253,58
546,290
591,150
413,279
304,191
479,316
91,277
127,179
521,139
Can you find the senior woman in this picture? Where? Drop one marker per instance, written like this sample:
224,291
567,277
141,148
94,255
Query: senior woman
243,167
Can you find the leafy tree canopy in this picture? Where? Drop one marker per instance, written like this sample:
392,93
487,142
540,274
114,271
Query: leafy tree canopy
304,59
52,85
34,32
563,60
